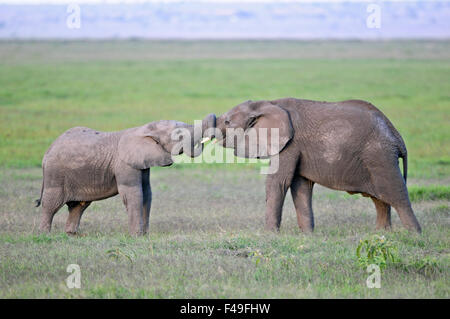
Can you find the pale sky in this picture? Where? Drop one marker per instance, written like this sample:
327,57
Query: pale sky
187,1
299,19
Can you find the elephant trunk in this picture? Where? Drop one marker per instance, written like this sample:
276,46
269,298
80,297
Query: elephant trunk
208,126
197,135
221,127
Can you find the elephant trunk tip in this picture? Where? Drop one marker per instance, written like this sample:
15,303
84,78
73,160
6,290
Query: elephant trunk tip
209,124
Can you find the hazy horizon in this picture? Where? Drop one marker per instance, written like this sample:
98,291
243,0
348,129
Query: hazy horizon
225,20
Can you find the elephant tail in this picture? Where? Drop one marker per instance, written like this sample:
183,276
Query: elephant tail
38,201
404,156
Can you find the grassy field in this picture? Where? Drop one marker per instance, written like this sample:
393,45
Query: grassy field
207,237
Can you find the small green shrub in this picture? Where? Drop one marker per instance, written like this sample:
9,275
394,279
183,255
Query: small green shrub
427,266
122,251
258,256
376,250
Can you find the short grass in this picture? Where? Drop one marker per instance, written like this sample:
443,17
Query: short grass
206,235
432,192
47,87
207,241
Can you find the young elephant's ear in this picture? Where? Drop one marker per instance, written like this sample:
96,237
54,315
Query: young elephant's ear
141,149
268,130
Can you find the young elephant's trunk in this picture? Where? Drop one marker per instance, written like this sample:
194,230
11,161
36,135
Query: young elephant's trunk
197,135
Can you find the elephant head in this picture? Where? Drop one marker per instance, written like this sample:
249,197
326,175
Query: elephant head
255,129
155,143
194,147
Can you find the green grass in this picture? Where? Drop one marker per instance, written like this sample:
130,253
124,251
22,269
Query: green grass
207,241
41,96
433,192
221,265
206,229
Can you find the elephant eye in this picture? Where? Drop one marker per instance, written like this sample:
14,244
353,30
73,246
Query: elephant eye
227,122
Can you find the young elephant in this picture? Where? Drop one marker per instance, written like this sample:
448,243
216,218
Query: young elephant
84,165
348,145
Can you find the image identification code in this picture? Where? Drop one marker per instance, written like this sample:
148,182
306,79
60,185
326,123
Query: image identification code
227,308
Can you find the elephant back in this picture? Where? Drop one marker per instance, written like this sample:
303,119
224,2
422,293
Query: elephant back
79,147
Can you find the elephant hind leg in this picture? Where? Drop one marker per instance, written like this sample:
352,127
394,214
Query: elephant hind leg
76,210
391,190
407,216
383,214
52,201
301,191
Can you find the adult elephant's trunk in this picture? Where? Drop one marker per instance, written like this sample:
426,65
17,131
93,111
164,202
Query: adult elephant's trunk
208,123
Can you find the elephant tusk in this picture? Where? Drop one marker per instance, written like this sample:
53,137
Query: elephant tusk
204,140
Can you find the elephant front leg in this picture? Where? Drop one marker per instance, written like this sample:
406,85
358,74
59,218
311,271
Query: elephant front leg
132,198
301,191
147,199
275,194
129,185
277,185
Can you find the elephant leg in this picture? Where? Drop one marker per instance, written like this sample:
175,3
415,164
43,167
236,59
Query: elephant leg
52,201
383,214
275,194
147,199
301,191
76,210
133,201
277,185
406,214
130,189
391,189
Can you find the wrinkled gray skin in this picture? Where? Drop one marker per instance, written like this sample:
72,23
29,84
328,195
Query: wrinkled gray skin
349,146
84,165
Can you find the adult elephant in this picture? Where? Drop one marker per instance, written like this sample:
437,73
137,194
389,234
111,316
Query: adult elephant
84,165
349,146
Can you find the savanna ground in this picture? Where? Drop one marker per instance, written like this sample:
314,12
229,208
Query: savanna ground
206,231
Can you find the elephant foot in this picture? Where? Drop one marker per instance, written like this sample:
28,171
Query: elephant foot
306,230
137,233
45,229
414,228
383,227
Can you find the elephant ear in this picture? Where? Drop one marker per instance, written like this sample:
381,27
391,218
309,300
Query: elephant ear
141,149
268,130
